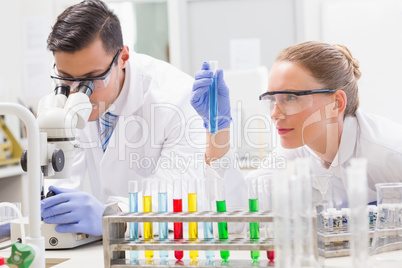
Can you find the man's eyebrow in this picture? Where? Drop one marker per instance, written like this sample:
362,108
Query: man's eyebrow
83,76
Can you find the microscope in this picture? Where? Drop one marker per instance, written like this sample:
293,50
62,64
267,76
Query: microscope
59,115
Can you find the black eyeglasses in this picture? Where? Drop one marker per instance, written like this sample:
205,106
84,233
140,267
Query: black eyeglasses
101,81
291,102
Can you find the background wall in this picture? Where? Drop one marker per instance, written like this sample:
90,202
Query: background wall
201,30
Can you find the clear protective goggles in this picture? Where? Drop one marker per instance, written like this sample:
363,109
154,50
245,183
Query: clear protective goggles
290,102
101,81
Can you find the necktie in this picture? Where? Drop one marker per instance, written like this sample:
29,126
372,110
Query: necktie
107,122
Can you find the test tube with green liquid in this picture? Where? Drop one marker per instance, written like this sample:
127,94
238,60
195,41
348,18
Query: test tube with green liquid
192,207
252,185
133,226
147,207
221,207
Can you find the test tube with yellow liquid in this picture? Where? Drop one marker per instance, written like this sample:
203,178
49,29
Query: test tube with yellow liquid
147,207
192,207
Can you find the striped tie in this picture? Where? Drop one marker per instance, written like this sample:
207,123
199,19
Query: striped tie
107,122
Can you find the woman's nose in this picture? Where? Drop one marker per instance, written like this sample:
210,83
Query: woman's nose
277,113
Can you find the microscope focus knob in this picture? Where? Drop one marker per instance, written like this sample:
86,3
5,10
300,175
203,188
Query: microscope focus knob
58,160
24,160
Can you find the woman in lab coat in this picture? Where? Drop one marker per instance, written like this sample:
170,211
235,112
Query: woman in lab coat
149,102
312,99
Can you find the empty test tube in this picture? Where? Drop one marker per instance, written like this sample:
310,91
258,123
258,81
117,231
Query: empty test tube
213,100
147,207
177,207
252,184
221,207
192,207
133,226
163,207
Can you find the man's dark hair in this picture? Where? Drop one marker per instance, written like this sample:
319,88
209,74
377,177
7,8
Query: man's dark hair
79,25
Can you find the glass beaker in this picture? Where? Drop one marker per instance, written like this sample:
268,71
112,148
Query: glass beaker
387,242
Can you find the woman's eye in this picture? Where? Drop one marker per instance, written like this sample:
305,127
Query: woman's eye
289,97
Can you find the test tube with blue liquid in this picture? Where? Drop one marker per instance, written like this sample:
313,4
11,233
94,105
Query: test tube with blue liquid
208,229
252,184
147,207
162,208
133,226
213,99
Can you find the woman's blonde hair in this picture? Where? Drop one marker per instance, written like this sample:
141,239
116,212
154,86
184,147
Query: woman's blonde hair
331,65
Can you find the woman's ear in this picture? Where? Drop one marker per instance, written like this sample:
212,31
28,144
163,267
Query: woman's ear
341,101
125,55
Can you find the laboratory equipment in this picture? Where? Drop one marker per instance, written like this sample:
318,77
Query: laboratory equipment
252,184
206,191
358,225
192,207
35,238
133,226
323,183
59,114
162,208
213,100
295,238
221,207
388,226
266,198
115,244
147,208
10,149
177,207
8,212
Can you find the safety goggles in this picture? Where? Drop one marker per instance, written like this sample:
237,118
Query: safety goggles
101,81
290,102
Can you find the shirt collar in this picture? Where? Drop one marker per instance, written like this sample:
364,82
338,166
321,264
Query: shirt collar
131,96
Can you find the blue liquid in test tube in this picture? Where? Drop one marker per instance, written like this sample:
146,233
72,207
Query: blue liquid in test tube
133,226
163,207
213,100
208,229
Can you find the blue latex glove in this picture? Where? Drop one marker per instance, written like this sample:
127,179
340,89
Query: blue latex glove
74,211
200,96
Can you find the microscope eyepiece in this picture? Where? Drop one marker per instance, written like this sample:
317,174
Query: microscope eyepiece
86,87
62,89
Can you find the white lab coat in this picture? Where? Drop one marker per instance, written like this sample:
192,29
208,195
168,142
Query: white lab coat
156,123
373,137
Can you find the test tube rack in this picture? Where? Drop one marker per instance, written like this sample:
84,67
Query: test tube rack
115,244
336,245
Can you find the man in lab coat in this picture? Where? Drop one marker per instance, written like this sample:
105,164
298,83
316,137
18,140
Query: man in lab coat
147,102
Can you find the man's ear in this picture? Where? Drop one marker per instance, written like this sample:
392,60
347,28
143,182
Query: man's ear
125,55
341,101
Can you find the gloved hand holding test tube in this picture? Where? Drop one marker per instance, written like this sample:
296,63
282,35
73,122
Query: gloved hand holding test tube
205,79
